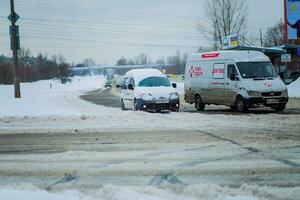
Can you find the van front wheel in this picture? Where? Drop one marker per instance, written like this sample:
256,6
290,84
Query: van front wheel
280,107
199,105
240,105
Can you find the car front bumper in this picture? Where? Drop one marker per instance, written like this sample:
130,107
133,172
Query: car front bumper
268,102
172,105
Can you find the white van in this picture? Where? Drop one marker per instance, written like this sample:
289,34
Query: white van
148,90
239,79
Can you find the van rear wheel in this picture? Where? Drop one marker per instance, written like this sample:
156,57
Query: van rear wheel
240,105
199,105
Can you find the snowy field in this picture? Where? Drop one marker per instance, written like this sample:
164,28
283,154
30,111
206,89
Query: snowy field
48,107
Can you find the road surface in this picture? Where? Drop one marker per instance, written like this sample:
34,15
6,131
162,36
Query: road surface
265,155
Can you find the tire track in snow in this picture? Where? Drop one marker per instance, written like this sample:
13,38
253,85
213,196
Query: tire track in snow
254,150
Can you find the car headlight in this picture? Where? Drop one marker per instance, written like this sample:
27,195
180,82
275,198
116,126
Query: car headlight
174,96
285,93
254,93
147,97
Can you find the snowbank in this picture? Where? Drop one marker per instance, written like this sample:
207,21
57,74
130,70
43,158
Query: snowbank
193,192
180,88
110,192
48,97
294,88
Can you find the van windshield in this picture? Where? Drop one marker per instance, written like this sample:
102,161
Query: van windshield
256,69
155,82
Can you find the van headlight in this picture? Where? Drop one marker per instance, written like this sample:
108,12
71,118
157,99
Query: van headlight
174,96
147,97
285,93
254,93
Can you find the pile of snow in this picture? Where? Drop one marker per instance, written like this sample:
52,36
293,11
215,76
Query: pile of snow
191,192
48,97
110,192
294,88
180,88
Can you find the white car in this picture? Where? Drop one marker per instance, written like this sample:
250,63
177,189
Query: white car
239,79
148,90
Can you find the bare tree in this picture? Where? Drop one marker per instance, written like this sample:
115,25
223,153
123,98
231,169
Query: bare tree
274,35
224,17
178,61
161,61
142,59
122,61
88,62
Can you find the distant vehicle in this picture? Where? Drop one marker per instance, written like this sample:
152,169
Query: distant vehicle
109,81
239,79
108,84
148,90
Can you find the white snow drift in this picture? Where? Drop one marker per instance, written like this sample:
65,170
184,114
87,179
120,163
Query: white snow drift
45,98
294,88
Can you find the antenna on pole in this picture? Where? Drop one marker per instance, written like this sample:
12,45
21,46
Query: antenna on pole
261,38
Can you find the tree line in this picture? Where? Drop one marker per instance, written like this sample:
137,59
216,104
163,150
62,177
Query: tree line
176,62
34,68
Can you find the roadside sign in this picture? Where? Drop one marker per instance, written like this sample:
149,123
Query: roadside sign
18,44
230,41
10,18
286,58
11,31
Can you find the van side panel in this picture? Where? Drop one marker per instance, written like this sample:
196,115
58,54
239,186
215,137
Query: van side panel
198,80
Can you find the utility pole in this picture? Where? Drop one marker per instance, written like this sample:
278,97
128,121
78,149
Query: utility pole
261,38
15,46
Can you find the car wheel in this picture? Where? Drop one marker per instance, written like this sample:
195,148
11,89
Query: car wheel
122,105
199,105
280,107
240,105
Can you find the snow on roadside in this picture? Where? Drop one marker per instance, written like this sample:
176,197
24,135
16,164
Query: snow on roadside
294,88
191,192
110,192
46,98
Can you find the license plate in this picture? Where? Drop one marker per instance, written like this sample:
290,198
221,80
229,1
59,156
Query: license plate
162,101
272,101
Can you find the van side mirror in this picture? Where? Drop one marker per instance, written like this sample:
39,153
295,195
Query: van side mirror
174,85
130,87
232,77
118,86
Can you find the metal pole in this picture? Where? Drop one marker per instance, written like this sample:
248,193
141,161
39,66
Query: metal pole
285,23
15,49
261,38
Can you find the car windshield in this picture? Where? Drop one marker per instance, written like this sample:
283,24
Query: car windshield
155,82
256,69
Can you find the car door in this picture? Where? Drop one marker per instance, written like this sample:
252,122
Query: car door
125,94
130,93
231,86
217,85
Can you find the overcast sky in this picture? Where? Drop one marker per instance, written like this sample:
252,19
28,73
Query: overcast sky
106,30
